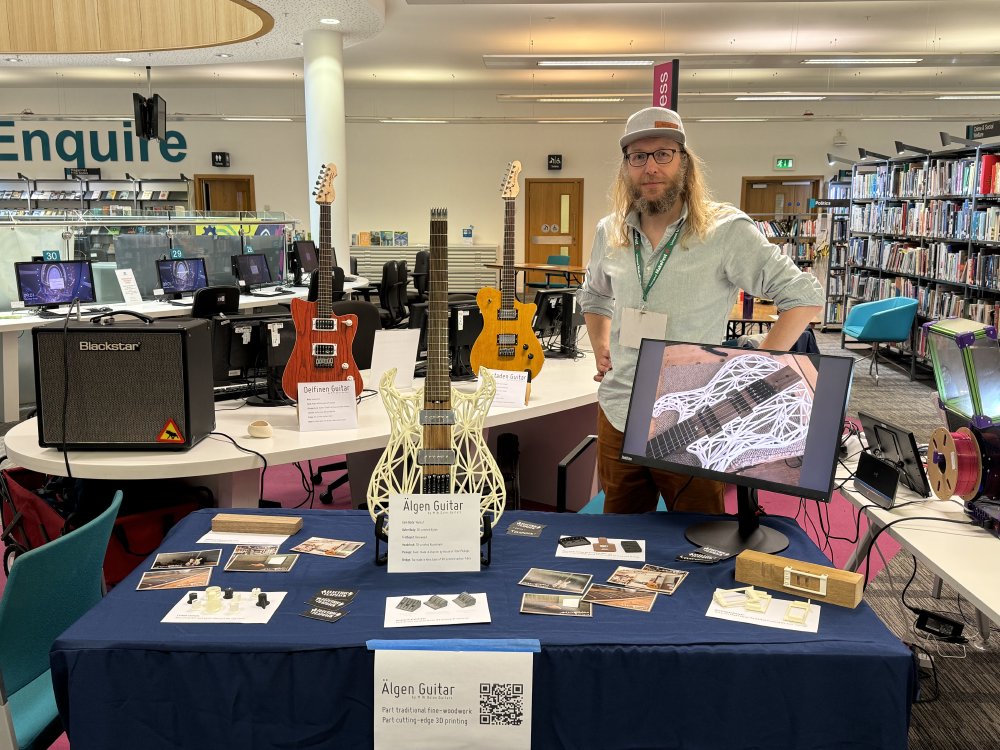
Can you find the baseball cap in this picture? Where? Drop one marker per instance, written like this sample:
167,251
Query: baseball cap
653,122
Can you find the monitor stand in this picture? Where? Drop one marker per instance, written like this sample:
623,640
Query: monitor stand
274,396
743,533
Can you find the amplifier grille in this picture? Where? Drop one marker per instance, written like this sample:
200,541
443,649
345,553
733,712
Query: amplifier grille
114,396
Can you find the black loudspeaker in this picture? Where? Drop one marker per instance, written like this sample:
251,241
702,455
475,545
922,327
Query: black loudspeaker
124,385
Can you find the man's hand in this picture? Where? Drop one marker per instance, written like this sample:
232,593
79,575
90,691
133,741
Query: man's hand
599,330
603,358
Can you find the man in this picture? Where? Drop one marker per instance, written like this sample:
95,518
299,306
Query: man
668,263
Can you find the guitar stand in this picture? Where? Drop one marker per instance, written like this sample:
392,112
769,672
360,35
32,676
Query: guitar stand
381,535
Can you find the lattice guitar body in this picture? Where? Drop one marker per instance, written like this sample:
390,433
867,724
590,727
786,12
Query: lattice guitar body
474,470
774,429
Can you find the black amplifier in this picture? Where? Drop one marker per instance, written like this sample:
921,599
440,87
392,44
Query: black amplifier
109,384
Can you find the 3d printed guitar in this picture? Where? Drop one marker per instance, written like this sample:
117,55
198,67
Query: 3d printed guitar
324,342
436,442
507,341
752,404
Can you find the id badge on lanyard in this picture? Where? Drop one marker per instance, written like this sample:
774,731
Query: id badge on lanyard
641,323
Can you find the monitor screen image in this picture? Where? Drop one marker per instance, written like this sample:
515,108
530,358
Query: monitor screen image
54,283
898,447
182,275
757,419
305,251
253,269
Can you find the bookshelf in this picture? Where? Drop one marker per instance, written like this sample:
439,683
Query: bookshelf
795,235
836,219
110,197
927,227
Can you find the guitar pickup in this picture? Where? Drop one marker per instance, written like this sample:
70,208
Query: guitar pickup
324,324
437,416
506,351
435,457
506,339
506,314
324,350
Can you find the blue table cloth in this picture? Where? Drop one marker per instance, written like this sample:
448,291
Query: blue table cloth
672,678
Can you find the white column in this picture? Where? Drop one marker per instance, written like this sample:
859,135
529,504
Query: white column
326,136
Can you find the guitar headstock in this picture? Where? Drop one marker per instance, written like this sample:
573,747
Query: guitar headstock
508,186
324,191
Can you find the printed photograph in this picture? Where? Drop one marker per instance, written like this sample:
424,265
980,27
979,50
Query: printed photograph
198,558
174,579
733,410
329,547
540,578
649,577
554,604
616,596
255,563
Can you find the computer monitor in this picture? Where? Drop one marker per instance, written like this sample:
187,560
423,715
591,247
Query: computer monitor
49,284
898,447
551,321
757,419
303,259
180,276
249,353
252,270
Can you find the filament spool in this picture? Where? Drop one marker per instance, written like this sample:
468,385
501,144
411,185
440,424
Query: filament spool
955,464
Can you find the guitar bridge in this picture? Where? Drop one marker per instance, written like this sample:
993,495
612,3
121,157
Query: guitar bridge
435,457
506,339
437,416
324,350
506,314
324,324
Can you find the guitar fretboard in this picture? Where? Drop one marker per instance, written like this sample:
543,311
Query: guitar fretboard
507,273
324,289
709,421
437,386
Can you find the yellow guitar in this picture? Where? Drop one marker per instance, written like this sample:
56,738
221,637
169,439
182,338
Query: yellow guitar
507,341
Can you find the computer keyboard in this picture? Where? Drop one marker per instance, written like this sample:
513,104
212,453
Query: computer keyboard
273,291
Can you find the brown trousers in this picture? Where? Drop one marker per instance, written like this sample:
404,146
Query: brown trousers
634,489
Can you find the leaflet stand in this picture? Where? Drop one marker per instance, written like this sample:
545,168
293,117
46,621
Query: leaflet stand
381,535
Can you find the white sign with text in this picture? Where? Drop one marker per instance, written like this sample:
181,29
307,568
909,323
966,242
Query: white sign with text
394,349
432,700
512,388
434,533
327,406
130,289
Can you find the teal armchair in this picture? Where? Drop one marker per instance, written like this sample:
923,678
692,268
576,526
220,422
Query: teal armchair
883,321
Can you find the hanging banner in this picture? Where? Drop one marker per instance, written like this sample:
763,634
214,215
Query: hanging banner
665,82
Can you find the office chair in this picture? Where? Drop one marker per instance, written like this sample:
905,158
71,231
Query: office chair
336,288
369,322
50,587
552,260
213,300
402,287
421,276
360,291
887,320
392,307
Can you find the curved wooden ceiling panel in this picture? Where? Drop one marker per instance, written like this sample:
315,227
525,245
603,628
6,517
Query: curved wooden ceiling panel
103,26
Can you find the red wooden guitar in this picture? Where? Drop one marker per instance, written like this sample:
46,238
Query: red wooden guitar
323,341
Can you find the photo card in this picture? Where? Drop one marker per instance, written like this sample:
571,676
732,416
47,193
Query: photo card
199,558
556,580
617,596
554,604
649,577
184,578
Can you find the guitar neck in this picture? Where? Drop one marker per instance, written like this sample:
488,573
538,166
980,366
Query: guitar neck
710,420
437,387
508,275
324,287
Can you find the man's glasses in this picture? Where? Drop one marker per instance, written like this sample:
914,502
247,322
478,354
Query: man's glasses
662,156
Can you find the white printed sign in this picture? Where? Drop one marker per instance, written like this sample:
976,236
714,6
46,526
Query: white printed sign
130,289
327,406
430,700
394,349
434,533
512,388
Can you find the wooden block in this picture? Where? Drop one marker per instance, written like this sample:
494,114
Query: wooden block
804,580
283,525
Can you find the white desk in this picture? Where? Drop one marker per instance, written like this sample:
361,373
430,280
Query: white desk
14,323
560,389
967,557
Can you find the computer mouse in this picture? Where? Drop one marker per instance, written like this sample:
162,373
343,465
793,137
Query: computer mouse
280,289
260,428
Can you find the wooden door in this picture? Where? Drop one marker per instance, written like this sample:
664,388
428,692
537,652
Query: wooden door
231,192
552,220
766,198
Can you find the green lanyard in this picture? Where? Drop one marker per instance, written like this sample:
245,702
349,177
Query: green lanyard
664,256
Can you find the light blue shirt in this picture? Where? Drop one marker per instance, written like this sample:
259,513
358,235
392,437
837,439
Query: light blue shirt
696,289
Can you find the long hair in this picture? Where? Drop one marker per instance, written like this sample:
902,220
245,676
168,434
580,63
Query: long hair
702,209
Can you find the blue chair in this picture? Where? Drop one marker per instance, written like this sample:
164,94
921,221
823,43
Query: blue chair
552,260
49,588
883,321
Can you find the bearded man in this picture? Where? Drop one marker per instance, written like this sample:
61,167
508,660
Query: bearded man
668,263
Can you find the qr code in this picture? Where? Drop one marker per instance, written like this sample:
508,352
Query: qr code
501,703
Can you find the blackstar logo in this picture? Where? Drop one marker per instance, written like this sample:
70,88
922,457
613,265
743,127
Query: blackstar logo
103,346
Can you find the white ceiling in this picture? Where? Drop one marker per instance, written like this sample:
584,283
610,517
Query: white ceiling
725,48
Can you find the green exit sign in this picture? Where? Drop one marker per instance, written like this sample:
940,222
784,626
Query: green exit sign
784,162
